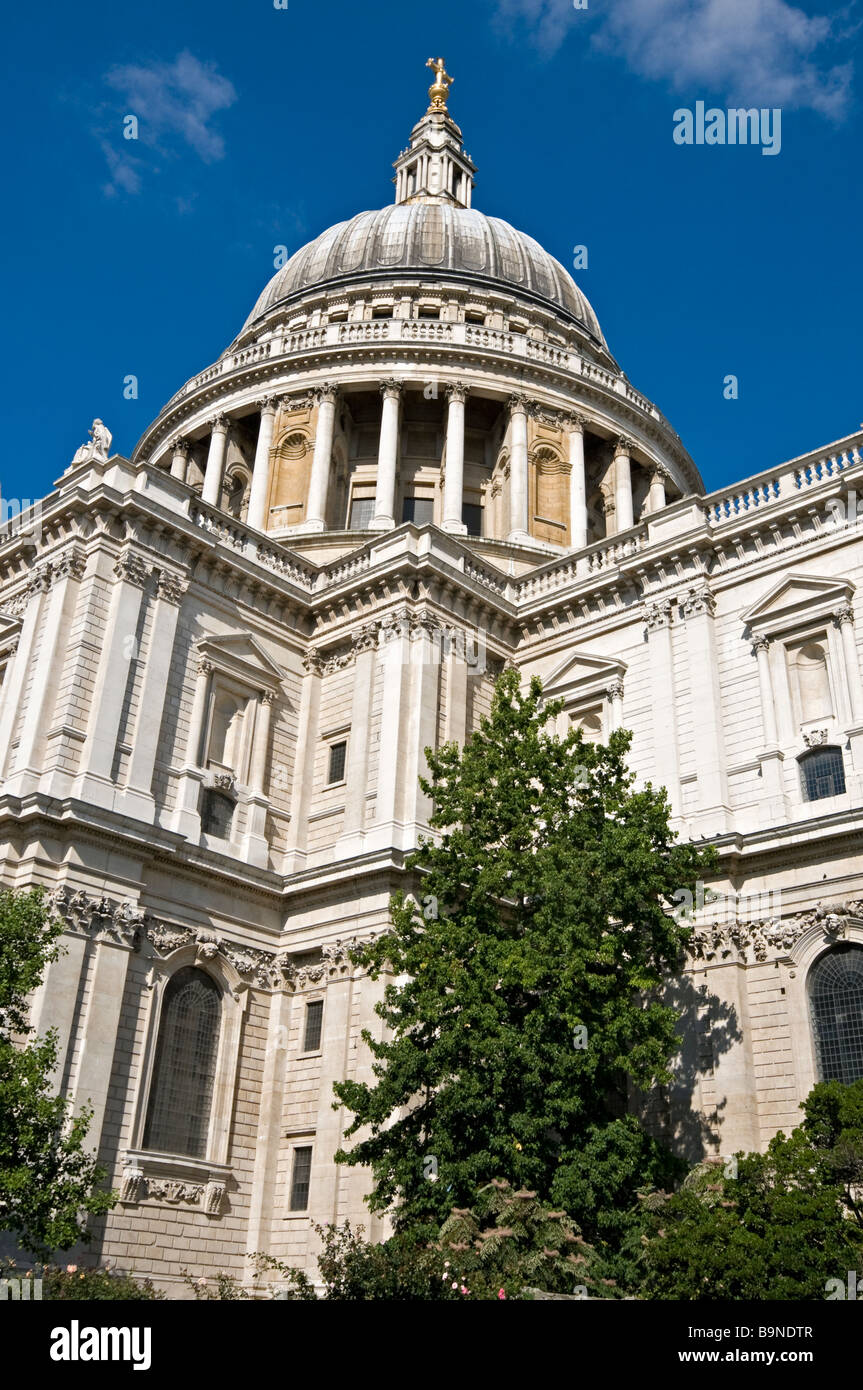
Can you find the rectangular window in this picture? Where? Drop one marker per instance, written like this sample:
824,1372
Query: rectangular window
338,754
419,510
302,1171
471,516
362,511
314,1023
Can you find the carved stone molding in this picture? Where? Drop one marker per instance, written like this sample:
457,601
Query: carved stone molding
658,614
132,568
623,446
170,587
614,690
327,391
816,738
760,643
458,391
758,940
698,601
391,389
174,1182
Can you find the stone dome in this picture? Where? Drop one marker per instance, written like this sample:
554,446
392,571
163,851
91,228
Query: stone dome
424,239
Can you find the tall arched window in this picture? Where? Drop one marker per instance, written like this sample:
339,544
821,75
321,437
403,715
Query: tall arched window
178,1114
836,1005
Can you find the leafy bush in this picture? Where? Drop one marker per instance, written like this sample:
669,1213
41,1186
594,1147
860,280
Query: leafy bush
74,1284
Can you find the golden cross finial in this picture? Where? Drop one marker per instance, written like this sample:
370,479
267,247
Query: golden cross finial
439,90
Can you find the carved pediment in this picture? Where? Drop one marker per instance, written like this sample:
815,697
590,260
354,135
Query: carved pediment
796,598
242,655
582,674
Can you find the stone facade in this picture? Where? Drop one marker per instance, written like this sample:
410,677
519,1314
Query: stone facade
223,658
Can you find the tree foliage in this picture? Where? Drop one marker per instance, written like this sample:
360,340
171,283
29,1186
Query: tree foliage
765,1226
48,1179
522,1002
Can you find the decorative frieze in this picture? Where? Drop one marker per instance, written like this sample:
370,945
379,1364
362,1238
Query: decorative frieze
758,940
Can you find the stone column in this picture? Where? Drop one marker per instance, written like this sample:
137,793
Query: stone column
212,489
95,778
55,1000
388,454
387,829
304,763
180,459
623,484
714,810
518,486
319,482
658,476
774,808
99,1026
38,586
258,493
335,1042
421,725
844,620
138,796
577,485
255,844
453,492
666,754
615,696
274,1079
187,816
761,646
352,838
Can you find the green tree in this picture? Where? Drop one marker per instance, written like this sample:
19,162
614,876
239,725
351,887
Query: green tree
773,1226
48,1180
525,997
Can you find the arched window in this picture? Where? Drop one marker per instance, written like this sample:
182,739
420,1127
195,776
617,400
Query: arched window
836,1006
178,1114
822,773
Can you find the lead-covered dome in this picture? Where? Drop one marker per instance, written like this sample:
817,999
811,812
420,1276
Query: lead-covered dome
432,238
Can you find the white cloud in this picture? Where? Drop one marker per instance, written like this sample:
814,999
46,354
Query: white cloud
175,104
754,52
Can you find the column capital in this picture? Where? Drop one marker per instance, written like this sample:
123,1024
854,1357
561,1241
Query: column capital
699,601
180,445
205,666
170,588
518,403
132,568
843,614
614,689
328,391
760,642
657,615
574,422
391,389
659,473
457,391
220,424
269,405
70,565
267,697
623,445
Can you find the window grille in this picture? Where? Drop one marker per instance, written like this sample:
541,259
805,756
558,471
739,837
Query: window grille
314,1023
178,1115
362,512
419,510
822,773
302,1171
836,1005
338,754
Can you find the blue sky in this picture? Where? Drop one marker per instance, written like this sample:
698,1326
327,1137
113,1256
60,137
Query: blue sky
261,126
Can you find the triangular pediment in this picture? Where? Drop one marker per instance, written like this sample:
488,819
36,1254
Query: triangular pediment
582,671
798,596
242,655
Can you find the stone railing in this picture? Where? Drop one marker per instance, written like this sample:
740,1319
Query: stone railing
393,330
569,569
781,484
247,542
